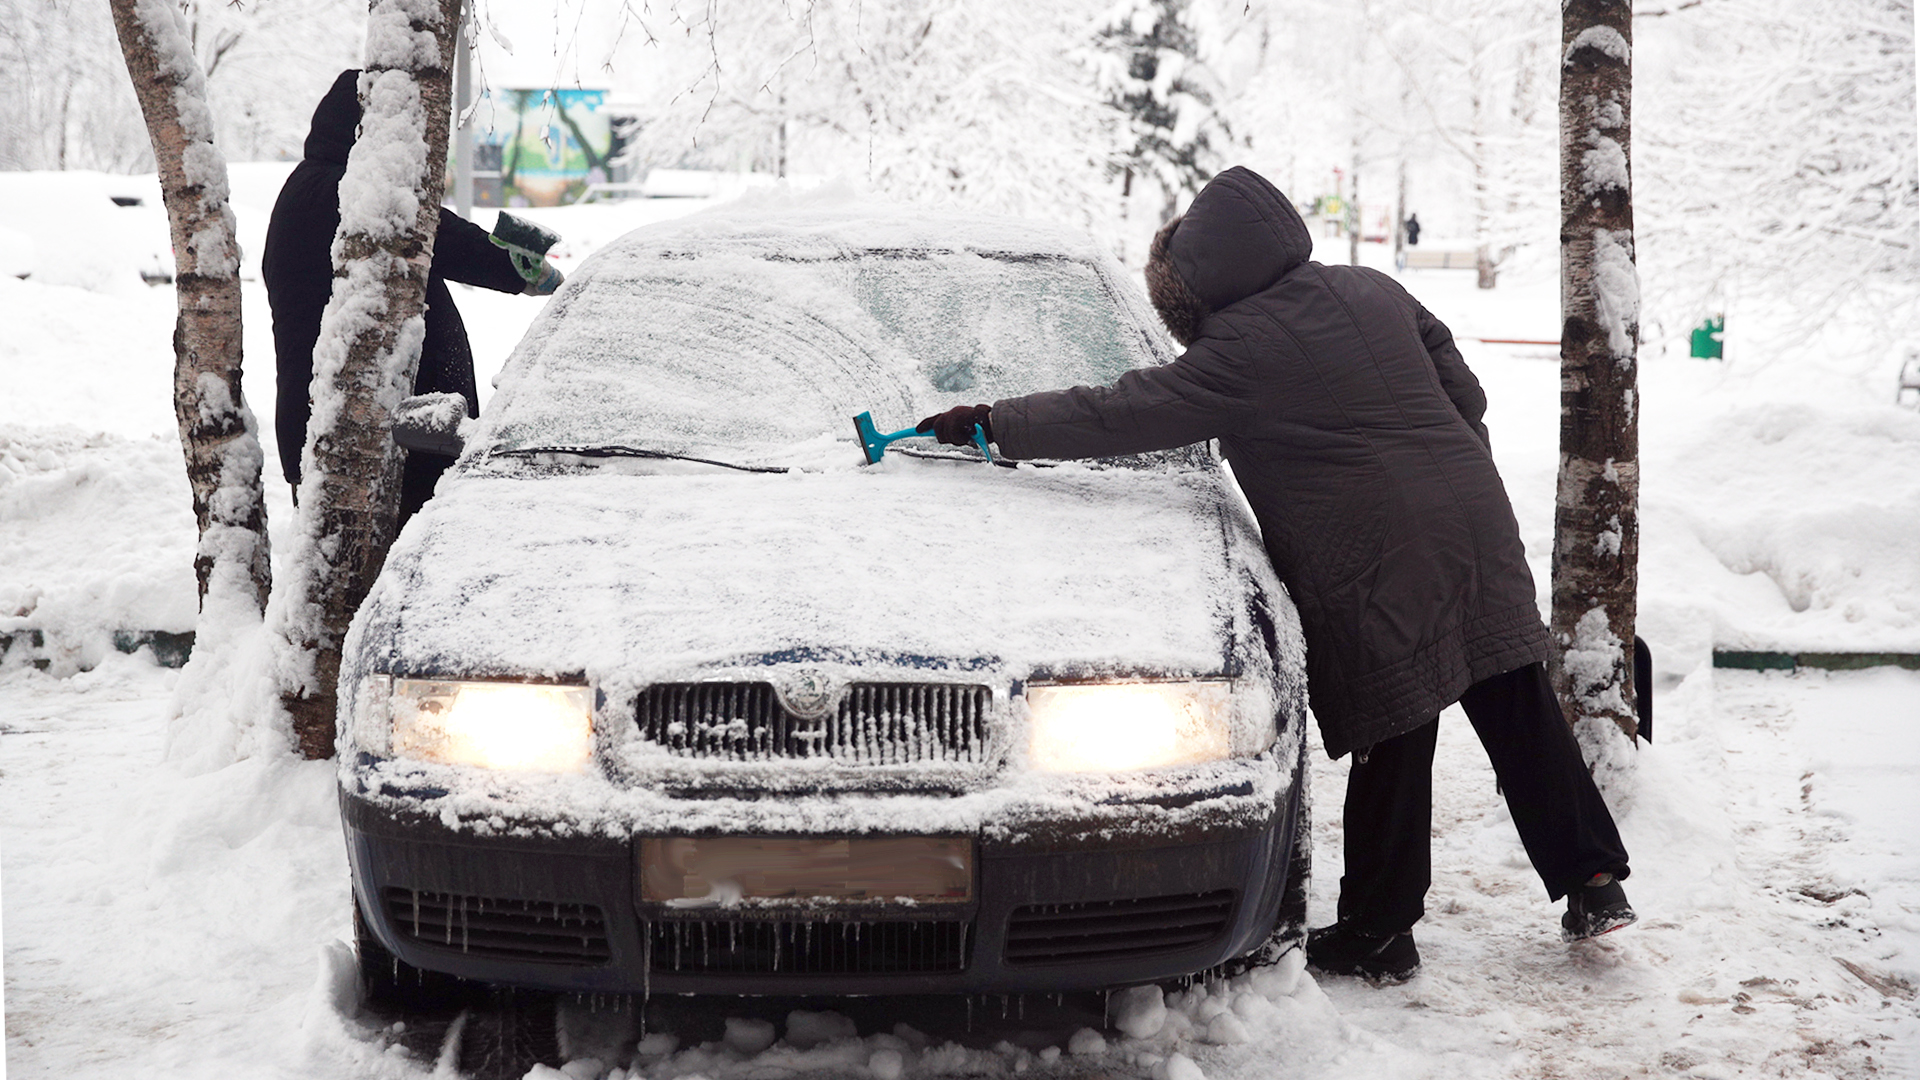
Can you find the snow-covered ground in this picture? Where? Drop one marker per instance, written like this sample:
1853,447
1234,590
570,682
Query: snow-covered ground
166,918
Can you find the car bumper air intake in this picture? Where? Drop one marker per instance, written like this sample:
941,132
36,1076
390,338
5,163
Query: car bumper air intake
528,930
1115,929
806,947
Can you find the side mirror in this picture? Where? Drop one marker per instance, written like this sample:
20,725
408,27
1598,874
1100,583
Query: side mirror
431,424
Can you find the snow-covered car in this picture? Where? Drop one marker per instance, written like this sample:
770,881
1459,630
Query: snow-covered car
667,689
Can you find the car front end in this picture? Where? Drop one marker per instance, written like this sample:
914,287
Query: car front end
571,782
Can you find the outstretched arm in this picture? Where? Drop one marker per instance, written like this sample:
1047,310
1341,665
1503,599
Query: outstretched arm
462,252
1197,397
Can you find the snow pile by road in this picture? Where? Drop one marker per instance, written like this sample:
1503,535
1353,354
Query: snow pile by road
114,508
1814,509
1151,1033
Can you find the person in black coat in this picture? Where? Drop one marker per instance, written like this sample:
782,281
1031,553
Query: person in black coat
1354,428
297,267
1413,230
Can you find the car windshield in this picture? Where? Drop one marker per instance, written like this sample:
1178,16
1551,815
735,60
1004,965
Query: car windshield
734,355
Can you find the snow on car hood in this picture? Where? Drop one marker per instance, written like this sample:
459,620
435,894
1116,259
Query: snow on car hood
638,578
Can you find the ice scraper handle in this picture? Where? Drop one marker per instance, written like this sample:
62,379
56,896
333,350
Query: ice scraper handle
873,443
980,440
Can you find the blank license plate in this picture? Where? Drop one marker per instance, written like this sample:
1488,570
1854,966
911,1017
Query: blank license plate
713,871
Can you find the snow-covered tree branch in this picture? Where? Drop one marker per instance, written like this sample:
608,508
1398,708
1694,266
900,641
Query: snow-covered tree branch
1783,139
64,84
919,100
1478,72
1148,67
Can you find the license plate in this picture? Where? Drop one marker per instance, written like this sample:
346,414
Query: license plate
715,871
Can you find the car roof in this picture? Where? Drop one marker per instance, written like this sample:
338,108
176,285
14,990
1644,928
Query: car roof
836,224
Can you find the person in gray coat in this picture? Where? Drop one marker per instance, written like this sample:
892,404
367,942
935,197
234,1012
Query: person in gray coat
1354,428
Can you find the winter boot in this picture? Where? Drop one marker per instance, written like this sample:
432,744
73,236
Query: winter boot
1597,907
1342,950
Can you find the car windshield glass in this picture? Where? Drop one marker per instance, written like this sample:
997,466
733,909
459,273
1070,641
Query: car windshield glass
734,355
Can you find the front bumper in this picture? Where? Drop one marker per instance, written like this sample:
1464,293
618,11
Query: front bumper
1070,909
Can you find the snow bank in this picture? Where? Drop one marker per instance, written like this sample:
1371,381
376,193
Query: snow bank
1773,836
96,535
189,906
1792,525
1271,1023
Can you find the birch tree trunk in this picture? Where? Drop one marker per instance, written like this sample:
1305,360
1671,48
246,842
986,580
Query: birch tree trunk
217,431
1596,525
368,350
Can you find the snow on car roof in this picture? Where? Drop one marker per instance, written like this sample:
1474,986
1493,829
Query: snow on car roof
821,220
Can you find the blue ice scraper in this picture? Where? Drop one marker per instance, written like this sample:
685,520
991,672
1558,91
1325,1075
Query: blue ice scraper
874,444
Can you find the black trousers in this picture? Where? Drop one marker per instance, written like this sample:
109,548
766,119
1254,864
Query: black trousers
1563,822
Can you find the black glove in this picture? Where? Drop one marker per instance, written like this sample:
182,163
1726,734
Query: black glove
955,426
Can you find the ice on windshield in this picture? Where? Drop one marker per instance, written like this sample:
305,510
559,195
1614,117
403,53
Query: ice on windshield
735,351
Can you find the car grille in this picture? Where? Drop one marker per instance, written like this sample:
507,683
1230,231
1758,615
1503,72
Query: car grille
1114,929
793,947
875,723
536,930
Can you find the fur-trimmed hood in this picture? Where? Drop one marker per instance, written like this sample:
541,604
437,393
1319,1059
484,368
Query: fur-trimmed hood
1239,236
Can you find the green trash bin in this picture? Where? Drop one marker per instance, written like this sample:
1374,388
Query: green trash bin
1707,337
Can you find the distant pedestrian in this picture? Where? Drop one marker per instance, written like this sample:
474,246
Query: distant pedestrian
1413,230
1353,427
297,268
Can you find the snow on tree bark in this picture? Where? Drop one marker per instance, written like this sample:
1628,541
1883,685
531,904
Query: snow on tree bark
217,430
1596,525
368,350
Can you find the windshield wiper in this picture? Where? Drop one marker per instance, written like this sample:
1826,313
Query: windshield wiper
614,451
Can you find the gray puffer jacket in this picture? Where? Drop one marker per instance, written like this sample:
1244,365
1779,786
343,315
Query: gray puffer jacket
1353,426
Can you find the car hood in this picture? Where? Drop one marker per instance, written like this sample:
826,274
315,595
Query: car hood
912,563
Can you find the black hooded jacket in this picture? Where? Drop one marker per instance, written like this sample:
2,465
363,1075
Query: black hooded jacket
297,267
1353,426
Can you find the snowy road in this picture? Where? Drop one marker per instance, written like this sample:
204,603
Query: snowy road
167,925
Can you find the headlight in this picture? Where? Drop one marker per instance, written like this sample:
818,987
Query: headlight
1121,727
494,725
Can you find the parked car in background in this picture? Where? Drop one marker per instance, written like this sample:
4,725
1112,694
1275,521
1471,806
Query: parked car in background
667,690
88,230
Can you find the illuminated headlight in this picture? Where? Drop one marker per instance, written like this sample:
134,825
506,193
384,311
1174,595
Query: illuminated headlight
494,725
1122,727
